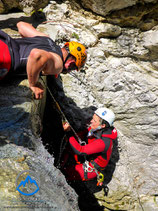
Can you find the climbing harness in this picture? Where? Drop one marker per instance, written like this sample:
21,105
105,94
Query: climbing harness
100,179
90,169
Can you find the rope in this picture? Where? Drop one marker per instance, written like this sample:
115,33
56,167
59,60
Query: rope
62,114
62,147
87,87
75,76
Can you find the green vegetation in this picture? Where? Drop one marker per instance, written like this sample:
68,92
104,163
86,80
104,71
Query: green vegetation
74,35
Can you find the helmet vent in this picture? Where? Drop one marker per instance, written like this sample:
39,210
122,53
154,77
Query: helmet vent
78,48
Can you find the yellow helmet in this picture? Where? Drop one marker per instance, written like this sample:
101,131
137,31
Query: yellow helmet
78,51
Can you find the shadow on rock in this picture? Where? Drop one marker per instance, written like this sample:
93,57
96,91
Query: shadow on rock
35,19
15,124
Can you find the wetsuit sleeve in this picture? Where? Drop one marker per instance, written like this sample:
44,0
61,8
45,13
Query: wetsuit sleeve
95,147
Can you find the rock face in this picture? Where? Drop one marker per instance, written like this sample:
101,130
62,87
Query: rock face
103,7
21,150
141,14
121,73
26,6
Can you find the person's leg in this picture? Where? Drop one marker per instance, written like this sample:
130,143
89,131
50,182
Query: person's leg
27,30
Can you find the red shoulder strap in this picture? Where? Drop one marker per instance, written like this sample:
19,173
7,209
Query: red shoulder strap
113,135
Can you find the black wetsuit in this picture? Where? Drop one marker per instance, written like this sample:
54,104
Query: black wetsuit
20,49
39,42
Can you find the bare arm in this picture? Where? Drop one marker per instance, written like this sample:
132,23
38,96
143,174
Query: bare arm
38,60
27,30
41,61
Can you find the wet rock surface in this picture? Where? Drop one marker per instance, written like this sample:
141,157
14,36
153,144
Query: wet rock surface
21,149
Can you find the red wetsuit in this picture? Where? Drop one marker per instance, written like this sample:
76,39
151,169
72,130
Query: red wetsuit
98,150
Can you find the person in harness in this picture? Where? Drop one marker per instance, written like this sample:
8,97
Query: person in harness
38,54
98,148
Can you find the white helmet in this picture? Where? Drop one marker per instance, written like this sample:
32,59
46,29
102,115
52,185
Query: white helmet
106,114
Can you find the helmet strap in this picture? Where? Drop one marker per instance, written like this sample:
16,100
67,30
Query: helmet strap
67,49
67,58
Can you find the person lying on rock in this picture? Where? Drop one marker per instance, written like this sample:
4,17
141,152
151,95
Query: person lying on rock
37,53
98,148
